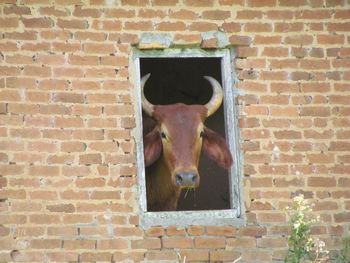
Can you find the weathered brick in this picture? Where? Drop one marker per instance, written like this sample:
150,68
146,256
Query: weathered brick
200,242
322,182
72,23
37,22
8,22
177,242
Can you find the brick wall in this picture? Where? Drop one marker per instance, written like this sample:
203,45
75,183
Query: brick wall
67,162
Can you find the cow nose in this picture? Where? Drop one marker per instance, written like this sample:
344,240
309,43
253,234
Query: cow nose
187,179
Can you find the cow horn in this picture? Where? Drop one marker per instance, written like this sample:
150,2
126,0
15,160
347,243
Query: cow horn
216,98
146,105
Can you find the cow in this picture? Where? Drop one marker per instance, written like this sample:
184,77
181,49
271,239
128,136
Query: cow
172,148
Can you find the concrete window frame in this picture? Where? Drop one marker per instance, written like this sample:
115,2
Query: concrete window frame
233,216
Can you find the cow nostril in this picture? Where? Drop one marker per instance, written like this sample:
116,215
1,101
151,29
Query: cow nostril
179,179
194,178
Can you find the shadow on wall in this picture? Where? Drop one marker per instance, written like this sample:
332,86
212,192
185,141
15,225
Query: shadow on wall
176,80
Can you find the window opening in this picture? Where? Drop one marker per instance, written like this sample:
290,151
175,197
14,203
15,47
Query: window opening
178,76
175,80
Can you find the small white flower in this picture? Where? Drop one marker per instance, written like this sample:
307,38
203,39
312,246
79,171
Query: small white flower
296,225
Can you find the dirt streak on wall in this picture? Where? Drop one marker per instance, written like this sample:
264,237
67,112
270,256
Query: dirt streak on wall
67,154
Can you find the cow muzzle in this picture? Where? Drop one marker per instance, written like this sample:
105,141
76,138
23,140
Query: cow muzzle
187,179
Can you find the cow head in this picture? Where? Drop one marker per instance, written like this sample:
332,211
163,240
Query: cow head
180,136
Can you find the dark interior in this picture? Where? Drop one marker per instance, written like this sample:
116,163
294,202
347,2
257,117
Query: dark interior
176,80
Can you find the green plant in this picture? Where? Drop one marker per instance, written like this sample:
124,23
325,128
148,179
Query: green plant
344,254
301,245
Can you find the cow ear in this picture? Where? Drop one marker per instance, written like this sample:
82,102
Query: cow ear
152,147
215,147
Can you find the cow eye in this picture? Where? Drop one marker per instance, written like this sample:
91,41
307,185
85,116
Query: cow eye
162,134
201,134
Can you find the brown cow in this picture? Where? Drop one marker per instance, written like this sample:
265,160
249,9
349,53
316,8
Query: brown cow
172,149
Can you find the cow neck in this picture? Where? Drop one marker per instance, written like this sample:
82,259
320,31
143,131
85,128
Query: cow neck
162,192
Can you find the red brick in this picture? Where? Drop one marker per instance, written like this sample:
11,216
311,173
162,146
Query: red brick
299,40
146,244
155,232
325,206
286,182
292,3
199,3
9,22
107,25
216,14
277,75
271,217
257,27
200,255
314,14
342,14
222,255
232,2
25,133
339,146
202,26
62,256
14,194
53,11
101,195
96,256
8,46
19,59
221,231
76,218
177,242
338,27
61,208
321,182
171,26
86,12
71,195
342,217
260,182
90,182
73,122
45,243
88,134
289,27
287,134
119,13
9,71
183,14
275,52
242,242
271,242
165,2
128,231
175,231
18,10
160,255
140,26
330,39
262,3
280,14
135,2
37,22
201,242
72,24
112,244
315,111
267,40
44,219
